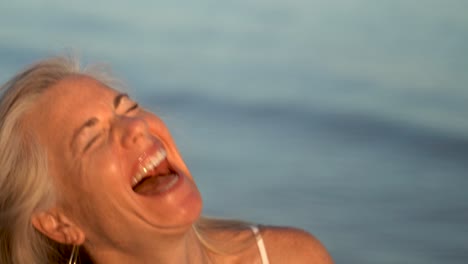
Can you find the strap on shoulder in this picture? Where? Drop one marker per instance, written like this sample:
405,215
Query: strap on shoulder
260,244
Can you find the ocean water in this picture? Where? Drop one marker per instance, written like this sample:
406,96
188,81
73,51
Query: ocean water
344,118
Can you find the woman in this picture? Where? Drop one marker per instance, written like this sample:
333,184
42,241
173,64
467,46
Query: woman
83,166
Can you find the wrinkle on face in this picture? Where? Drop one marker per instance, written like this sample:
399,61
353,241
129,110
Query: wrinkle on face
93,186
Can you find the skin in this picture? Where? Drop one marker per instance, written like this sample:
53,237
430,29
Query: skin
96,206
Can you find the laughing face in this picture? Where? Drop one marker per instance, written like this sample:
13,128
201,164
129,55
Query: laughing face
116,168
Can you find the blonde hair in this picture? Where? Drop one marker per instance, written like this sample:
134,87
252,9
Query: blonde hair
25,186
24,183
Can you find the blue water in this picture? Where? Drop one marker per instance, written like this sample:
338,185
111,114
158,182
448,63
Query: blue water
345,118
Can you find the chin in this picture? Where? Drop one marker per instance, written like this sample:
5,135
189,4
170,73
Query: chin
175,210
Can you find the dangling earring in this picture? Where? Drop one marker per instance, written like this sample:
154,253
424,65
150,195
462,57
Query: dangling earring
74,254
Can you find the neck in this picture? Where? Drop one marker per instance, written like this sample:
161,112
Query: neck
186,249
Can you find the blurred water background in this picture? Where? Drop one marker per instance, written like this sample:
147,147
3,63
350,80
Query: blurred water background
345,118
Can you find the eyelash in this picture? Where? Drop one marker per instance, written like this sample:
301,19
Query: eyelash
91,142
135,106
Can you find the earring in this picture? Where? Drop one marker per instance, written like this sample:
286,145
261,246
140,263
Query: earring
74,254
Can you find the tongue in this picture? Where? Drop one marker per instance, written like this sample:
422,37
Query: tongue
156,184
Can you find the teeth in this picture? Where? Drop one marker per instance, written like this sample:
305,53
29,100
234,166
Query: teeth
151,163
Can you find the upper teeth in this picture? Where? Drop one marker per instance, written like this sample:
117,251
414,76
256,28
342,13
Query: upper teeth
149,164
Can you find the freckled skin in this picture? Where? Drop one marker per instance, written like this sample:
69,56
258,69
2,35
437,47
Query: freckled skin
94,186
97,208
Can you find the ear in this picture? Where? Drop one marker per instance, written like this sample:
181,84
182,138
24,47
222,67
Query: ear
55,225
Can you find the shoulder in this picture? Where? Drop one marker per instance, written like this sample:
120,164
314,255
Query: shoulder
292,245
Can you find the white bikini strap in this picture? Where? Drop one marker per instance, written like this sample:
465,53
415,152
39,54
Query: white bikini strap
260,244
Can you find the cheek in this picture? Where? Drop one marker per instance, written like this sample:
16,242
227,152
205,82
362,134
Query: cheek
65,177
94,188
104,169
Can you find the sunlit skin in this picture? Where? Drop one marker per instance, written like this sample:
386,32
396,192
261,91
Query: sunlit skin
95,138
94,143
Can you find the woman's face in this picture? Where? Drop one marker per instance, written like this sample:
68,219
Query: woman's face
116,167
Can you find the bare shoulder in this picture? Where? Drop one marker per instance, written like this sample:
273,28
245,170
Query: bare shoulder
292,245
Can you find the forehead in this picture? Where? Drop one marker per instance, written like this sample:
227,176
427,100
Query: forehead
76,89
67,104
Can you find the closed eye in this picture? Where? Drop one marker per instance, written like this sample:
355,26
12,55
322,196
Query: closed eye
135,106
91,142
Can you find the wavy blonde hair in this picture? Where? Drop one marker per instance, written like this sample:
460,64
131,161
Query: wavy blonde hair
24,183
25,186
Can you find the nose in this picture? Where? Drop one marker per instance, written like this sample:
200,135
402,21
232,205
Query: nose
134,130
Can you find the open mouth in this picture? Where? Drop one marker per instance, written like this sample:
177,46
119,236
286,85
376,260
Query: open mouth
155,175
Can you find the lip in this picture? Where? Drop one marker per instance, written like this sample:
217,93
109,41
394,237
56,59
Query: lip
143,158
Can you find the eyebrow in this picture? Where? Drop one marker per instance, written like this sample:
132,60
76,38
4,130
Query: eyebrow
119,98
